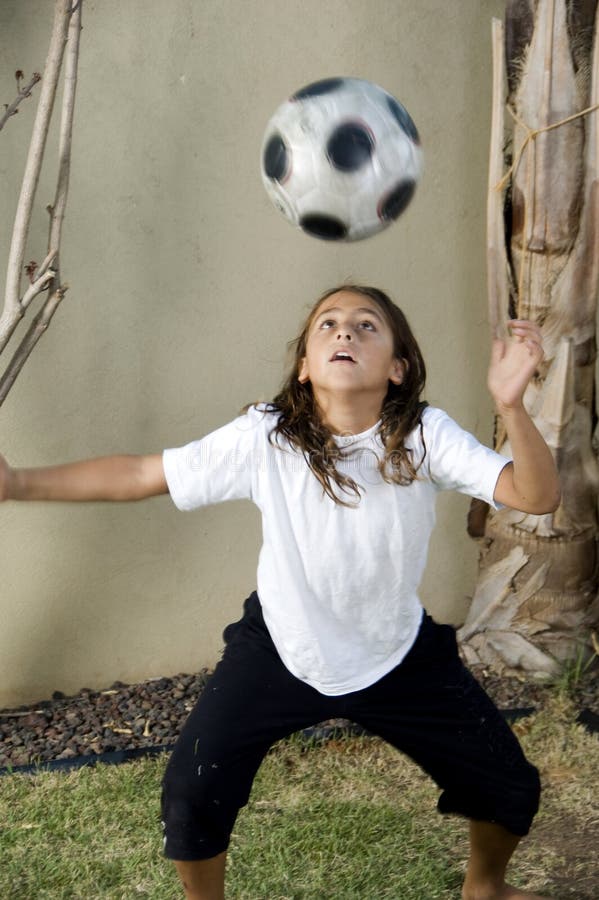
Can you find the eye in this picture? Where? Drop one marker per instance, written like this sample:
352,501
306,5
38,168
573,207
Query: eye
327,323
368,325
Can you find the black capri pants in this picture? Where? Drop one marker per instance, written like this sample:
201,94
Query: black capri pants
429,707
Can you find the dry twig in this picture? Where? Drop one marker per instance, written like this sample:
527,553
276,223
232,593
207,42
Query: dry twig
23,93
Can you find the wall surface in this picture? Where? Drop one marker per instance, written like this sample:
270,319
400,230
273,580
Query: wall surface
185,285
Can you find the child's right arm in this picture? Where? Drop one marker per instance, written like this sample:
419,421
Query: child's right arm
104,478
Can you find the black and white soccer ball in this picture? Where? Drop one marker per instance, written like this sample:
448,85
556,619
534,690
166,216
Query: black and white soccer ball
341,159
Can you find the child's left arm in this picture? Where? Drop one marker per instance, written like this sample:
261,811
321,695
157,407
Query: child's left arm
531,482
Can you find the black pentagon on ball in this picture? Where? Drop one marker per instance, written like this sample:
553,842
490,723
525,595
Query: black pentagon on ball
403,118
393,204
276,159
317,88
350,146
322,226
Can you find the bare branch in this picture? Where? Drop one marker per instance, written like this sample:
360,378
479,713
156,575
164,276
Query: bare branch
25,92
49,260
57,210
48,276
38,327
497,265
12,312
37,286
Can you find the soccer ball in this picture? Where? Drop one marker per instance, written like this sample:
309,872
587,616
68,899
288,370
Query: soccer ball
341,159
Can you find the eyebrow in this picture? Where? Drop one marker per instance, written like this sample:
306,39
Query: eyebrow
361,309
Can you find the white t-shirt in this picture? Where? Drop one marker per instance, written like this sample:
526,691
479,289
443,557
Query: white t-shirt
338,585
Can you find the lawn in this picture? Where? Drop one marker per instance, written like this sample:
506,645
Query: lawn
346,819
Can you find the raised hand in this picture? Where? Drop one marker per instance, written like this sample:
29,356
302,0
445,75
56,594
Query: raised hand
513,363
530,482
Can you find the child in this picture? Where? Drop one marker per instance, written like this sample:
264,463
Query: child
344,465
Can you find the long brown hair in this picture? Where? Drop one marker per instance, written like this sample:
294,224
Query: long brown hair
301,424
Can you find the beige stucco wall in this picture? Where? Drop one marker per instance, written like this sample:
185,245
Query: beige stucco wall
185,285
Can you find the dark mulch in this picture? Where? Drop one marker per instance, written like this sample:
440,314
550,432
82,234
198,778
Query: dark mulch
137,717
122,717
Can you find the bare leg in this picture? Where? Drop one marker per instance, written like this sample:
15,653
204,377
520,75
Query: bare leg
491,848
203,879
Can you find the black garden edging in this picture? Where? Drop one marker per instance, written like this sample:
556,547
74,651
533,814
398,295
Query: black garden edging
111,758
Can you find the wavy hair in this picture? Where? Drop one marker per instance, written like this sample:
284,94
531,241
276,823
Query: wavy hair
300,423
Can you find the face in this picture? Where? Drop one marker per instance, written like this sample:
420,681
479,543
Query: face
350,347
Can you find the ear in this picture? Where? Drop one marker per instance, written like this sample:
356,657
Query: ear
302,375
399,367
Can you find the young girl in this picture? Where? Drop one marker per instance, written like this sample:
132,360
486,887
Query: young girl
344,465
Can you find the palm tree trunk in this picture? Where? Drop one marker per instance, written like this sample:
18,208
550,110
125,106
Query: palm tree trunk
535,603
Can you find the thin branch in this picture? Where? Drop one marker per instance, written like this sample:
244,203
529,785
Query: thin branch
12,312
38,327
36,287
57,211
497,264
49,260
25,92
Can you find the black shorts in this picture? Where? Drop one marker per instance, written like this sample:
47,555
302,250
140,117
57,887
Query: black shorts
429,707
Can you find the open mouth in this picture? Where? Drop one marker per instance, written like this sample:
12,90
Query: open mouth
342,356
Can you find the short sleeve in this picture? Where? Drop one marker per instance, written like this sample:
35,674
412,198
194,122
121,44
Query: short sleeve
216,468
457,461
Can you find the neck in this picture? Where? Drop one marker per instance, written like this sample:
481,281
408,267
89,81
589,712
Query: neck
346,416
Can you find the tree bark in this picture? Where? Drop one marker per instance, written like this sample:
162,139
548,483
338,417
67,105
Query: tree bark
535,603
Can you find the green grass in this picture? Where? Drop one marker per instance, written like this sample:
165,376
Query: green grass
349,819
573,672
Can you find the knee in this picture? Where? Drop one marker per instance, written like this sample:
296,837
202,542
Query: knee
187,788
196,822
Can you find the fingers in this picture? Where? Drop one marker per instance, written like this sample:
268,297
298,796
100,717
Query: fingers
524,330
529,333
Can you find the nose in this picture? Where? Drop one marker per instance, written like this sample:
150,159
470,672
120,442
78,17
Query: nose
341,335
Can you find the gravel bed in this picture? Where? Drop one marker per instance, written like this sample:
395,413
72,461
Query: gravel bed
150,715
122,717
